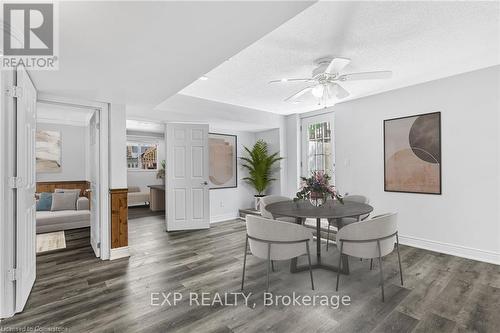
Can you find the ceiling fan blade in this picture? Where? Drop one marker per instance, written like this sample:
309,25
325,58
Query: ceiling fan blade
290,80
338,91
299,93
366,76
336,65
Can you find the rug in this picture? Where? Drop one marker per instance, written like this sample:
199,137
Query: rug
50,241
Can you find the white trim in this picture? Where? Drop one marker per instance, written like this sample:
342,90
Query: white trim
105,213
455,250
7,169
119,252
223,218
67,122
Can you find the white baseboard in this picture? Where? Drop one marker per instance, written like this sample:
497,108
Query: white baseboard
223,217
455,250
120,252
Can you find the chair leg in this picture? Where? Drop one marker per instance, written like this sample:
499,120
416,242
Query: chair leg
268,264
399,259
371,264
310,268
272,265
328,236
244,263
381,271
340,265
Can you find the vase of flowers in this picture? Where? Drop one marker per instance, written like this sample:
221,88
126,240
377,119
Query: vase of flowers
317,189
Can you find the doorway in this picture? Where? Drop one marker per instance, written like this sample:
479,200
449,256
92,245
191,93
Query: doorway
68,163
318,147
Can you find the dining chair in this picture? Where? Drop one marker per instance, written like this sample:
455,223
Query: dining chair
275,240
370,239
269,199
348,220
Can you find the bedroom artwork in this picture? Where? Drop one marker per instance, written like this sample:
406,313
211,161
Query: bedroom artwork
412,154
48,151
222,160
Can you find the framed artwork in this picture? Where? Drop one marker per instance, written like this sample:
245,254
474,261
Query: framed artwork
223,170
48,151
412,154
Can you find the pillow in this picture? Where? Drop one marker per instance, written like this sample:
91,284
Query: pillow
44,202
67,190
64,201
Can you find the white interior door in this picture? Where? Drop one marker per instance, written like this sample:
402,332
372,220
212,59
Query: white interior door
25,189
187,198
94,184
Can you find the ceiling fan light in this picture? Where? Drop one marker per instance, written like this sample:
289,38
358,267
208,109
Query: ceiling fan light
318,90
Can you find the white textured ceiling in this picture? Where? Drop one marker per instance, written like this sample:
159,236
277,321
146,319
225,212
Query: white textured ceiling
418,41
142,52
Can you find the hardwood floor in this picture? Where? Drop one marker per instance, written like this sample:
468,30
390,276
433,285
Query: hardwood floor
135,212
79,293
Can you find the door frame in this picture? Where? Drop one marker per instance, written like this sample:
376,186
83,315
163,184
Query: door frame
7,196
102,110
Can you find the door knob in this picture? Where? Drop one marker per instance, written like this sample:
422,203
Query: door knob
204,183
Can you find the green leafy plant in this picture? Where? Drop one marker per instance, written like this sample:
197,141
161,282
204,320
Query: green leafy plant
260,165
161,172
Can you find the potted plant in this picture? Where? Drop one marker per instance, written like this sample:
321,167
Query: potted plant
317,189
161,172
260,165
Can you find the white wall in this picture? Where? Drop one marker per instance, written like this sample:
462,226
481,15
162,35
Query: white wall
464,220
272,137
292,154
225,203
74,149
117,147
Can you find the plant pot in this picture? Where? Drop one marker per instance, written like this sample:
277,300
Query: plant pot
257,201
317,199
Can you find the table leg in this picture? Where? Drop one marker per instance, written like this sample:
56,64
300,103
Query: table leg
318,239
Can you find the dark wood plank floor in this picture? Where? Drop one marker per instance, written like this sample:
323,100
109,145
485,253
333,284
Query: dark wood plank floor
79,293
135,212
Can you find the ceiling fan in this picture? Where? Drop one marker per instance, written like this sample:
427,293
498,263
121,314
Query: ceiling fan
326,76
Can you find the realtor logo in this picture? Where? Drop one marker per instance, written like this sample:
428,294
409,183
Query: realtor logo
29,35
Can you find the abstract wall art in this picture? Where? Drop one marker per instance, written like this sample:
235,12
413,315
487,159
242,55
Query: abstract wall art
48,151
412,154
222,160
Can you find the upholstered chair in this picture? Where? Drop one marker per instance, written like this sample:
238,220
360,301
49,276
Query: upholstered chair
348,220
275,240
267,200
370,239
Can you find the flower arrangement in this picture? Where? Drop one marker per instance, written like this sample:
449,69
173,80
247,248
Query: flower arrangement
317,189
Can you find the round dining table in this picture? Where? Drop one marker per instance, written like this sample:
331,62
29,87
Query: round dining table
333,211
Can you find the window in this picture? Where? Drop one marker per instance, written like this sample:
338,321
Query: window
142,156
318,145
